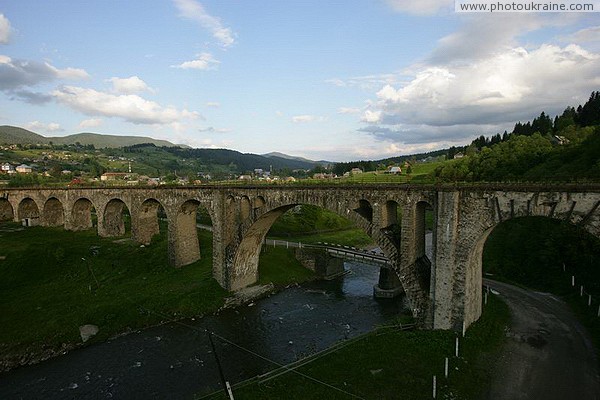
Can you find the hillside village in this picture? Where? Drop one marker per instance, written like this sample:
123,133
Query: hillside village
76,164
564,148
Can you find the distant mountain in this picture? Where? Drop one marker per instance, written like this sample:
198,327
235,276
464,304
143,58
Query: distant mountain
276,154
242,161
15,135
110,141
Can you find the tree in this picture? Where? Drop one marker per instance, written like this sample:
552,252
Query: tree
541,124
589,114
567,118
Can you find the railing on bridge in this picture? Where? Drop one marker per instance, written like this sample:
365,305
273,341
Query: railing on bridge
335,250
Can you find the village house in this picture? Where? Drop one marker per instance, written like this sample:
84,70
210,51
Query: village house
560,140
7,168
322,175
113,176
24,169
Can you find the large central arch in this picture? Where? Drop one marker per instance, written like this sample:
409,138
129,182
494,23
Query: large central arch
244,267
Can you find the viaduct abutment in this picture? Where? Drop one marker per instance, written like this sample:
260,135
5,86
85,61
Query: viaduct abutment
444,292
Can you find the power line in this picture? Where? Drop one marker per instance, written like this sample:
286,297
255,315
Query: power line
246,350
289,369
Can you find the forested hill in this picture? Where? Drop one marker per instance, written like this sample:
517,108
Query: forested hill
242,161
15,135
566,148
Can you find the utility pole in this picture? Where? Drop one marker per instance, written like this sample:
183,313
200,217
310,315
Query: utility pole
225,384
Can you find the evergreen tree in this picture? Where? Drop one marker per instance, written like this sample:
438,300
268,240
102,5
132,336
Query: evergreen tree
541,124
567,118
590,112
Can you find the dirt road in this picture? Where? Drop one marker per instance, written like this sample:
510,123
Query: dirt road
548,354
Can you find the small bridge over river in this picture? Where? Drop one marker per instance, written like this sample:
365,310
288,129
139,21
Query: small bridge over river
444,291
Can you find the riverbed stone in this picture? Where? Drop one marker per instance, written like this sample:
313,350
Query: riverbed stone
87,331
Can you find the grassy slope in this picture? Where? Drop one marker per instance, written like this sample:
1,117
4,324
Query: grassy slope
279,266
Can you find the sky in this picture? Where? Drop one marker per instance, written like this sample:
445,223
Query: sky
335,80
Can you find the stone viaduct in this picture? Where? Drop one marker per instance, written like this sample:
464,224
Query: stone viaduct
444,292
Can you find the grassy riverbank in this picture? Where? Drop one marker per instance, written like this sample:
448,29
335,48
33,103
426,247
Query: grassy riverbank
393,364
344,237
53,281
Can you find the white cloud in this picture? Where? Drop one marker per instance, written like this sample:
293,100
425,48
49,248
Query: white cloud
214,130
505,87
129,85
193,10
371,116
90,123
5,29
306,118
586,35
40,126
16,73
483,35
421,7
131,108
348,110
205,62
418,135
17,76
365,82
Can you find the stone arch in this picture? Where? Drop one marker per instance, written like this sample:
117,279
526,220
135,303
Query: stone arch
83,215
230,217
6,210
365,210
389,215
245,262
184,246
587,218
245,208
28,211
113,218
146,223
54,213
258,203
421,215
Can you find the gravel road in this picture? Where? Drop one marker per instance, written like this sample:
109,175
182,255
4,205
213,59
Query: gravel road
548,355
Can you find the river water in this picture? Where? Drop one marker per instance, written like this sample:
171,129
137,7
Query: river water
175,361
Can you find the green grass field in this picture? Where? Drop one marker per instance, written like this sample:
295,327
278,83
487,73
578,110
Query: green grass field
421,173
52,281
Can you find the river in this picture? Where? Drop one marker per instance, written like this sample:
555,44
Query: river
175,360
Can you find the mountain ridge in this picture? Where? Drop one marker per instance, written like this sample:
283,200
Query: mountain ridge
16,135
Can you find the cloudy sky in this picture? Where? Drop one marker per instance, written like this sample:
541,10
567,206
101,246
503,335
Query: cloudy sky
337,80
